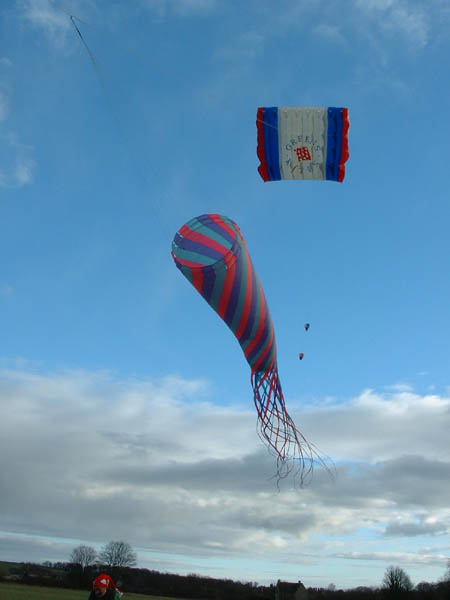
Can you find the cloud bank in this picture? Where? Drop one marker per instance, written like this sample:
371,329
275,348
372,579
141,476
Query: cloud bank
86,456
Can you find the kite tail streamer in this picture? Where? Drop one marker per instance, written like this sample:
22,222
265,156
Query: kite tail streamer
277,429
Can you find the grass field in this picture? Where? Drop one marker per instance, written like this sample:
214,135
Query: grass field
16,591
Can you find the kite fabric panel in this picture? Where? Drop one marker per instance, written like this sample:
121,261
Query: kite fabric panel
302,142
212,254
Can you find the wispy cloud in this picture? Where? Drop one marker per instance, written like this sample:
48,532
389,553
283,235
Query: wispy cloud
17,165
52,18
399,16
405,558
47,16
23,171
18,170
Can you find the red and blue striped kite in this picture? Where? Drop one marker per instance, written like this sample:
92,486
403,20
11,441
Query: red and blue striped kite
302,142
211,253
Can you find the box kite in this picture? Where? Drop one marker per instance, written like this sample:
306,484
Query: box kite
211,253
302,142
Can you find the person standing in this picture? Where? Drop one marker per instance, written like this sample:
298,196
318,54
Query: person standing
104,588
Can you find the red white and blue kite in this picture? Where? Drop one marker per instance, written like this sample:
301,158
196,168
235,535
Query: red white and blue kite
211,253
302,143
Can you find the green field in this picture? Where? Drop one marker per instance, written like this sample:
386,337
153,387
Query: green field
16,591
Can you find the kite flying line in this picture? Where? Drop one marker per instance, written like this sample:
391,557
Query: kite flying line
155,206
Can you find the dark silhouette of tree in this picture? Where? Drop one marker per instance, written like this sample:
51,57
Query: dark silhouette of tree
116,555
444,584
83,556
447,572
423,587
396,581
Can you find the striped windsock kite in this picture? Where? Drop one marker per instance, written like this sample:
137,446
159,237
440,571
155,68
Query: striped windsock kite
211,253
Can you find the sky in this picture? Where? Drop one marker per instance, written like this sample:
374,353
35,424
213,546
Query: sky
126,409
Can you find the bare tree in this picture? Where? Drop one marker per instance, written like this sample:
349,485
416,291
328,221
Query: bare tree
396,581
83,556
447,572
117,554
444,583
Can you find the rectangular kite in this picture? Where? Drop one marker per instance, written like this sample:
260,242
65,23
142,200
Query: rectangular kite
302,142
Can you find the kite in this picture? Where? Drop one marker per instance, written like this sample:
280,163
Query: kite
307,326
302,142
301,356
211,253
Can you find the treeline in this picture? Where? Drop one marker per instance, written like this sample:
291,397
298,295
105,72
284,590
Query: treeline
138,580
145,581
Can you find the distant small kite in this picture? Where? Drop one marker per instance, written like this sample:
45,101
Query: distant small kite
302,142
307,326
301,356
211,253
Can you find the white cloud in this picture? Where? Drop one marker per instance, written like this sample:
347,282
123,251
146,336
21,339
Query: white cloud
419,526
83,452
18,165
20,172
48,16
382,426
23,171
399,16
53,18
405,558
400,387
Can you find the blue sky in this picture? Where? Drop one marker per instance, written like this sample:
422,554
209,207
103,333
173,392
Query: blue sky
126,407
